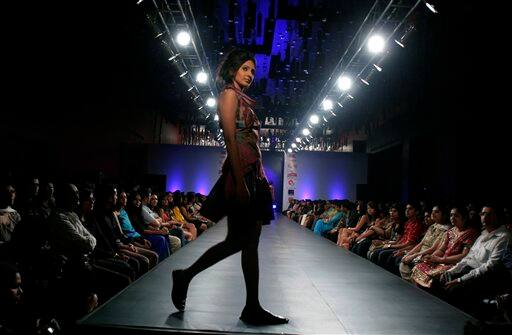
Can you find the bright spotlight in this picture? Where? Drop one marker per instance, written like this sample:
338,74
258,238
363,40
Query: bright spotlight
294,145
327,104
344,83
314,119
297,139
376,44
378,68
305,132
289,150
183,38
202,77
431,7
211,102
216,118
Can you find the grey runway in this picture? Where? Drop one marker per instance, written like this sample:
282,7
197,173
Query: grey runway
322,288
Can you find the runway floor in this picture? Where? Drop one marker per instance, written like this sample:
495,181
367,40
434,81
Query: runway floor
322,288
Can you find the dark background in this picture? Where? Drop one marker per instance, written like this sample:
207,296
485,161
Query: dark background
85,80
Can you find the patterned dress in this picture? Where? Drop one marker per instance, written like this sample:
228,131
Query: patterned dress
222,196
453,243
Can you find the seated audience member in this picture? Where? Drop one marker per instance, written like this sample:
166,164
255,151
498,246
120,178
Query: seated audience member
323,226
130,235
454,246
152,233
180,202
193,209
104,213
390,256
437,227
386,228
9,217
104,254
291,202
70,239
346,236
15,315
481,273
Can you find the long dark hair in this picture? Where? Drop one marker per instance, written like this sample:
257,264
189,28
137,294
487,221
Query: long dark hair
228,66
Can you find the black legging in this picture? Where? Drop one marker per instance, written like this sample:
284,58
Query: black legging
243,235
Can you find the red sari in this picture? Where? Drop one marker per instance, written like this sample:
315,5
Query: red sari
454,243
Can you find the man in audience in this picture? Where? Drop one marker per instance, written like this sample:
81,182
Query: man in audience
481,273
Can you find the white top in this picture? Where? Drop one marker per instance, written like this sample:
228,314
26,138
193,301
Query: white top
485,253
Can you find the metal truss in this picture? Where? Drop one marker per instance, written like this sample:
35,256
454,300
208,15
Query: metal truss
168,17
388,18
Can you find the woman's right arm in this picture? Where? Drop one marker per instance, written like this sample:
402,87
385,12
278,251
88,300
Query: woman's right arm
228,105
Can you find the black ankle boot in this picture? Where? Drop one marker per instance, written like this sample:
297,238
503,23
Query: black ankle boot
261,317
179,289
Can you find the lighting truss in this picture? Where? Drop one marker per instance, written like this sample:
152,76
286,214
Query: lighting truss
168,17
386,17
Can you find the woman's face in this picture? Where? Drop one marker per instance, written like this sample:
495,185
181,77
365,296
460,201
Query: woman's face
394,214
153,200
456,219
437,215
137,201
370,211
245,74
123,198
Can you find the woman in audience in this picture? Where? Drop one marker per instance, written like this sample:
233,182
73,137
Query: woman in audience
177,216
362,243
159,243
389,234
346,236
437,228
149,232
391,254
455,245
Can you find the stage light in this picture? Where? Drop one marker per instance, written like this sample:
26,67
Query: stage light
344,83
216,118
376,44
431,7
327,104
183,74
305,132
339,104
325,119
400,43
378,68
202,77
274,206
211,102
297,139
183,38
294,145
365,82
314,119
289,150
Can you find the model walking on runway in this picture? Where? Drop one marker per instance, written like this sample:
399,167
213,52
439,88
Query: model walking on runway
242,190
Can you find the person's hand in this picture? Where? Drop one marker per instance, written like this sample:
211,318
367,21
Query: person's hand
435,259
333,231
398,253
407,259
451,284
147,244
164,230
242,193
131,247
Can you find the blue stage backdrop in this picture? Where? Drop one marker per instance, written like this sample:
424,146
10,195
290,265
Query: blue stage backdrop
330,175
321,175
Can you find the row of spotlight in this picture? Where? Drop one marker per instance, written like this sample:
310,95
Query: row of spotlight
376,44
183,39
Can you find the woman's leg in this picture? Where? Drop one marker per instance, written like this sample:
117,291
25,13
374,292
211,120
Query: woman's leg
250,265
